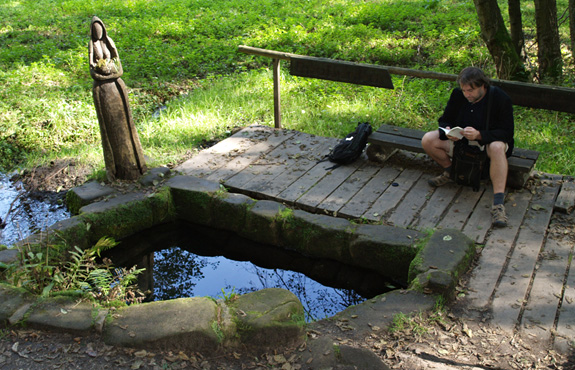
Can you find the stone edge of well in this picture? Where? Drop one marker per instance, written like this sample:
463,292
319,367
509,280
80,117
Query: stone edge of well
437,260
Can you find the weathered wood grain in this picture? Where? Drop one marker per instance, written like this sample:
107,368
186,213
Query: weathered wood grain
493,257
512,292
411,203
392,195
370,192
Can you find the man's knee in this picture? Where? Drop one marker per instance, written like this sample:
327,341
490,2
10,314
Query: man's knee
429,139
496,148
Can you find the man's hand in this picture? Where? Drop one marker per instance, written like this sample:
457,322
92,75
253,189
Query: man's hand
471,134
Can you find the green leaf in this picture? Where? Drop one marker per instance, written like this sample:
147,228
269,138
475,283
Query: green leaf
47,289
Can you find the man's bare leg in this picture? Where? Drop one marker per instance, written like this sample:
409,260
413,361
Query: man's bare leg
438,150
498,174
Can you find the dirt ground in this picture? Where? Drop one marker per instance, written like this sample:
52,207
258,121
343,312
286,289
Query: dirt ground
457,338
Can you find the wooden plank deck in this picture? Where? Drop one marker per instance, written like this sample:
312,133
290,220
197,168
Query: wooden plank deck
522,270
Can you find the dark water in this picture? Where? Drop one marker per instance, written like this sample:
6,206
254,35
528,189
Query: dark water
26,213
219,277
185,260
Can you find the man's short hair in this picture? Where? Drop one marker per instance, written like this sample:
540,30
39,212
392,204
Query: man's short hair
473,77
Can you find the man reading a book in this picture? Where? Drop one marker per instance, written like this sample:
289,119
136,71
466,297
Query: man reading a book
467,108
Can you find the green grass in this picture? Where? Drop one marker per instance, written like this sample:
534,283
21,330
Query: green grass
183,54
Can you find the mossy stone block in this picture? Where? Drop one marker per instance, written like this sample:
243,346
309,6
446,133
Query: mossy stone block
185,324
12,299
385,249
85,194
263,222
63,314
119,217
318,236
269,317
230,210
193,197
442,260
447,250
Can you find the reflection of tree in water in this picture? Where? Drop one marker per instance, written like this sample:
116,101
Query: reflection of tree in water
176,273
318,301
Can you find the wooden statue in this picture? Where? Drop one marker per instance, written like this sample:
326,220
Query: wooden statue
123,153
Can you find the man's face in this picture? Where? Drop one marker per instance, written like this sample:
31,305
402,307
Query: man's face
473,94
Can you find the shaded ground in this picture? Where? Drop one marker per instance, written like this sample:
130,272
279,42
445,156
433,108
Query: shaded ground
456,338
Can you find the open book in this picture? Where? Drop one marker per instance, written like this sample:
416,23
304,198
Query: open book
455,132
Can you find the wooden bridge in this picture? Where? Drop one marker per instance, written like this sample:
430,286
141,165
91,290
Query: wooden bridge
523,271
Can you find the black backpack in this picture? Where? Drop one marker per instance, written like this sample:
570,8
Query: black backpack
350,148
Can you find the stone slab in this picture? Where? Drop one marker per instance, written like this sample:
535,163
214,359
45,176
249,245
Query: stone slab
376,314
12,299
178,324
63,314
85,194
154,176
269,317
566,199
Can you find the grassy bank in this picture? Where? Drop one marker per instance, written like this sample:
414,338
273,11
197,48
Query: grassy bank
181,55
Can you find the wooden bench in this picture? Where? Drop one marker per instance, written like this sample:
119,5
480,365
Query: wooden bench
388,139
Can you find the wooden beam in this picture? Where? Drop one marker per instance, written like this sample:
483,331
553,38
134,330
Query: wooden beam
539,96
265,53
341,71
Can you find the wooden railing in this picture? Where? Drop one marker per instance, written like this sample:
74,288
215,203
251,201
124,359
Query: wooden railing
530,95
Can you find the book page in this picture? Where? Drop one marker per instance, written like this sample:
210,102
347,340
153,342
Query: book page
455,132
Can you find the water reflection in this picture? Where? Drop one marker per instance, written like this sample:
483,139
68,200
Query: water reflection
179,273
186,260
26,213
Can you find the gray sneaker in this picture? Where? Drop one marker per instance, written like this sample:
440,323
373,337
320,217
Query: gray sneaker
440,180
498,217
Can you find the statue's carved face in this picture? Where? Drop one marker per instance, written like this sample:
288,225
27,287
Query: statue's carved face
97,31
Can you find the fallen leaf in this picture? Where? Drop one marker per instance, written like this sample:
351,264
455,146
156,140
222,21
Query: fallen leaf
280,359
467,331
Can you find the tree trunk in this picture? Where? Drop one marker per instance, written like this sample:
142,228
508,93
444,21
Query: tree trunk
548,43
493,31
572,24
516,24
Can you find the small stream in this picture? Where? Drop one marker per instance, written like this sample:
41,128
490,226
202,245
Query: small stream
26,213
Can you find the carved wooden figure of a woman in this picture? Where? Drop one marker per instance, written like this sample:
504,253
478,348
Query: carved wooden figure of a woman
123,153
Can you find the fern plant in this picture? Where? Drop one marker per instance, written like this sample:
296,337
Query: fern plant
81,274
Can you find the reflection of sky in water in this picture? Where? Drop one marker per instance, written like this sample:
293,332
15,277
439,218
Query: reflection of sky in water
179,273
27,215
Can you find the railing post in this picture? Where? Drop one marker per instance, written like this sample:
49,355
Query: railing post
277,108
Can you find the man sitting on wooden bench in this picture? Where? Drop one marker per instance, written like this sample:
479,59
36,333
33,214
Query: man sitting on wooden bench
467,108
